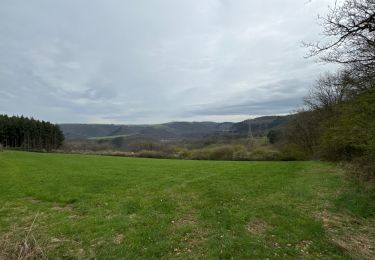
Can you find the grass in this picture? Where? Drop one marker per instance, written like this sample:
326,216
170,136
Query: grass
112,207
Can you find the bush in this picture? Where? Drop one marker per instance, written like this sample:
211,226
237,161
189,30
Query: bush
292,153
222,153
198,155
274,136
241,154
363,168
152,154
349,135
264,155
183,154
234,152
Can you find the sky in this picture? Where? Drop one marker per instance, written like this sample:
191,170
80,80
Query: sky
154,61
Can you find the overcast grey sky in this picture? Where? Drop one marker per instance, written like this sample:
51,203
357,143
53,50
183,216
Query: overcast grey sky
151,61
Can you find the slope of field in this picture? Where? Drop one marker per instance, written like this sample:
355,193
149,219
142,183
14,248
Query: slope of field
76,206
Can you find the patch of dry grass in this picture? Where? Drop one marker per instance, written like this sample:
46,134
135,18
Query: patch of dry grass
256,227
355,235
21,243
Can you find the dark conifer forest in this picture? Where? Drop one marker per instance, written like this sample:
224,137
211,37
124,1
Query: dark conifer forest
29,134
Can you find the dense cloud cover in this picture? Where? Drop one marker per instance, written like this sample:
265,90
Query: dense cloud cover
149,61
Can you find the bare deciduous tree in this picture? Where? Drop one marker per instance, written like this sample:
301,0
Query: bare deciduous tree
304,131
350,35
329,90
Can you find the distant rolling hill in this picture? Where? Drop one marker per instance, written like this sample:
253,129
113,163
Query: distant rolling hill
260,125
167,130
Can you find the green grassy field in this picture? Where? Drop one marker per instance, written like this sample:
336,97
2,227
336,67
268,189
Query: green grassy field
112,207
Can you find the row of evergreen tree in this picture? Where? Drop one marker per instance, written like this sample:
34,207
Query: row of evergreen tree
29,134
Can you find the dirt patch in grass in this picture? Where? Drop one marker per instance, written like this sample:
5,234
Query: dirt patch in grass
64,208
33,200
70,208
196,233
256,227
304,247
356,236
187,219
118,239
193,233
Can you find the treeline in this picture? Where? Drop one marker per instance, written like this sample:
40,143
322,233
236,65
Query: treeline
29,134
338,121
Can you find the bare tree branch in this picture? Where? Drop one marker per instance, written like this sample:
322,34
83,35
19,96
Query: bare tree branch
350,33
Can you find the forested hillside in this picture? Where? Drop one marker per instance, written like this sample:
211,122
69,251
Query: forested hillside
167,130
259,126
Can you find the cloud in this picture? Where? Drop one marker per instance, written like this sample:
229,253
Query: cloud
155,61
264,99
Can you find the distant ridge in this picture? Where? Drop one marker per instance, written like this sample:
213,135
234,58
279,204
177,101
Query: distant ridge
171,129
260,125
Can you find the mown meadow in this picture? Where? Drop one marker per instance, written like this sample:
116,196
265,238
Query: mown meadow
86,206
